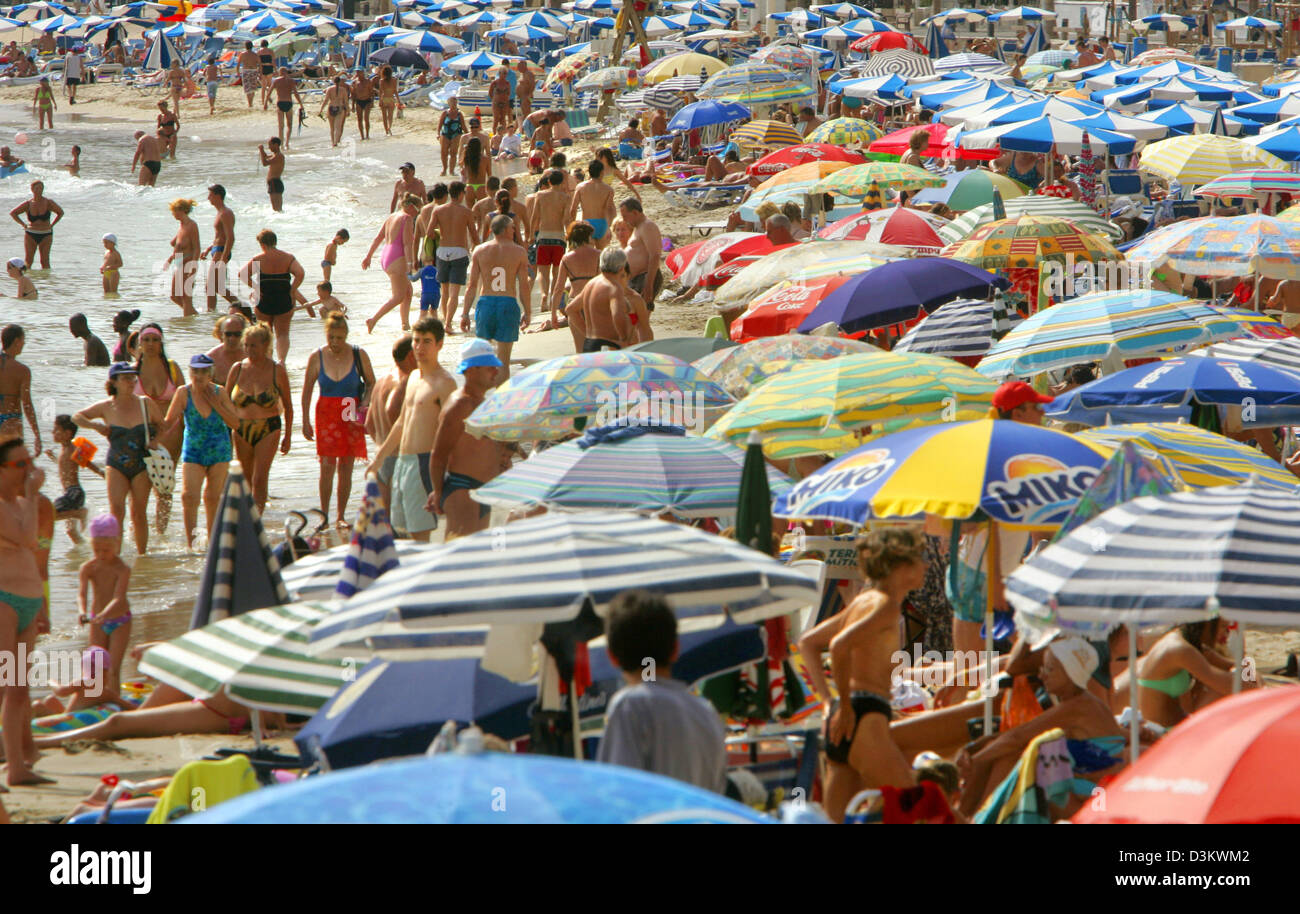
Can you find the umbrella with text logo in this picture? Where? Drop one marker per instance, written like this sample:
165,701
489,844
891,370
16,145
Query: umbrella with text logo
782,308
783,159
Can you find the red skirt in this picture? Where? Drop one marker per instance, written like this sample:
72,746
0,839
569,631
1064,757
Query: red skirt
339,429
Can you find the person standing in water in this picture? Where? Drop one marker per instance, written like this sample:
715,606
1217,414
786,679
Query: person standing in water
185,256
259,388
276,275
148,156
337,101
38,230
274,162
223,245
398,236
16,388
43,104
230,331
111,269
286,90
169,126
454,225
451,124
95,352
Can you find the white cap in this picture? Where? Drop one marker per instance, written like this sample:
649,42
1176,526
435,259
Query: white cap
111,237
17,262
1078,657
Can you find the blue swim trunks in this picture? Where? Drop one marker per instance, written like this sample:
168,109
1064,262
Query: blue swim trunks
600,227
496,317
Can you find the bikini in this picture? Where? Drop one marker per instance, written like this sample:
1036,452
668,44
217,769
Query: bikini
36,234
169,126
454,483
862,703
164,399
236,724
1030,179
254,430
1174,686
108,626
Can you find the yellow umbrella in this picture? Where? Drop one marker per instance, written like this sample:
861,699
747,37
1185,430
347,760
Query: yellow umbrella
766,133
1199,158
857,180
681,65
808,171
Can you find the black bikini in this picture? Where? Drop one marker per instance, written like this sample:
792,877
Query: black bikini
862,703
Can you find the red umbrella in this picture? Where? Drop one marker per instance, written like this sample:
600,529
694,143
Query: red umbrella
896,144
784,159
691,262
881,41
783,308
897,225
1225,763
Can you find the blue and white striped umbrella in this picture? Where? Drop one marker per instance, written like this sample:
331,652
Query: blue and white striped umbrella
968,63
800,18
371,552
411,19
1164,22
1068,109
1251,22
599,5
525,33
178,30
324,27
34,12
142,9
1023,14
959,329
1282,354
264,21
481,18
700,6
380,33
475,60
1269,110
1036,42
237,5
546,569
160,56
315,577
1044,133
868,26
843,11
1167,559
428,42
541,19
693,20
834,33
1284,143
888,86
56,23
960,14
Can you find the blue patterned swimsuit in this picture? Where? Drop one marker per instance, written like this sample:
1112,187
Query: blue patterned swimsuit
207,439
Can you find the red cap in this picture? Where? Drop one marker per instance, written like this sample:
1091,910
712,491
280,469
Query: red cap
1016,393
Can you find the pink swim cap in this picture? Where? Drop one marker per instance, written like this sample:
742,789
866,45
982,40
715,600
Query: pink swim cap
105,525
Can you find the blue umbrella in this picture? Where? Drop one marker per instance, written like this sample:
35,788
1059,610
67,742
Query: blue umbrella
394,709
1023,14
934,43
542,19
1178,382
489,787
427,42
1284,143
708,113
476,60
160,56
267,21
844,11
1037,41
895,291
525,33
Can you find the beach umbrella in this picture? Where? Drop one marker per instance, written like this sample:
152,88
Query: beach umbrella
161,55
887,41
33,12
690,21
1183,381
241,572
856,180
1124,124
1017,474
605,78
372,551
802,263
872,26
259,659
691,262
398,57
1051,58
324,27
56,23
538,18
1033,205
1225,246
742,368
1046,133
907,64
970,63
821,407
142,10
1254,326
1282,354
844,131
939,145
1025,242
1199,457
707,113
1283,144
1200,158
1184,118
1161,55
474,60
544,400
897,291
481,18
1250,22
380,33
669,49
843,10
965,190
670,473
525,33
958,14
1251,184
315,577
679,64
799,18
410,19
782,308
687,83
1270,110
784,159
1022,14
268,20
451,788
1131,323
662,100
773,94
961,329
660,25
952,94
1224,759
427,42
909,228
889,86
835,33
1164,22
767,134
742,78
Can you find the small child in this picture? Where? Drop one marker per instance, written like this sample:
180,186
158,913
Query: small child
430,290
110,616
332,253
74,164
17,269
325,298
112,265
212,77
89,690
76,453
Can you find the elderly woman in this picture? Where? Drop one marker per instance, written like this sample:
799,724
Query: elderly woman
230,331
397,259
259,389
208,415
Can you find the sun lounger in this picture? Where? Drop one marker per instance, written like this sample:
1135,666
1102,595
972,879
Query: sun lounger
706,228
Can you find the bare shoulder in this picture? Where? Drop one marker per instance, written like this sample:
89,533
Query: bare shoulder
865,605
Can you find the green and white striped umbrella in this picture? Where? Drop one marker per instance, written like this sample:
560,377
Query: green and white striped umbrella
258,658
1032,205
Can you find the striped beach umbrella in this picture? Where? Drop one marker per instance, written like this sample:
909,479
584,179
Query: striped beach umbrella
1219,246
1246,185
1019,475
1183,381
548,569
857,180
773,94
965,190
781,160
1202,157
903,227
1284,143
690,21
539,18
1047,133
1033,205
905,63
802,263
1282,354
544,400
1022,14
844,131
1133,323
1024,242
646,469
843,10
742,368
427,42
161,55
241,572
372,551
660,25
772,134
315,577
475,60
820,407
259,659
742,78
1201,458
960,329
605,78
525,33
835,33
970,63
1254,325
268,20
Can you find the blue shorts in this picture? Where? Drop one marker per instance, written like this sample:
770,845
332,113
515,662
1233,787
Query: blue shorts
599,227
496,317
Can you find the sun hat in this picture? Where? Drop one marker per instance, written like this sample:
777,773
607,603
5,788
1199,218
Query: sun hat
1078,657
476,353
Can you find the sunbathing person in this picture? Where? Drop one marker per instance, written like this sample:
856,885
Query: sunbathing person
1182,673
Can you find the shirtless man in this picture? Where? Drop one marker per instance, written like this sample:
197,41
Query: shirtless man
363,96
546,212
223,245
426,237
599,315
524,89
644,251
408,183
1284,303
596,201
386,405
459,462
501,267
231,348
499,92
16,388
148,156
658,124
411,436
274,162
250,77
860,752
484,209
285,88
456,235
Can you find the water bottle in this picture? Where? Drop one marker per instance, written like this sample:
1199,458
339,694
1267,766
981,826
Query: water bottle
471,741
445,741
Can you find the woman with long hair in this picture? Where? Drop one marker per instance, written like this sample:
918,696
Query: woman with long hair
475,168
387,98
337,100
259,390
157,378
505,207
1181,672
397,258
278,275
606,157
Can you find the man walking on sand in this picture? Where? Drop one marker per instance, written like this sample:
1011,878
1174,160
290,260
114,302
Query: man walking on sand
148,156
456,235
460,463
223,245
524,90
599,317
386,405
546,224
285,88
501,267
411,438
250,76
644,251
595,199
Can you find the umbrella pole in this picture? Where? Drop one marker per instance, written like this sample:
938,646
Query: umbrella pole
1134,724
994,581
255,719
573,717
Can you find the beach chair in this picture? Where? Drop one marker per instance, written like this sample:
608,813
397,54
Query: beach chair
706,228
1122,182
716,327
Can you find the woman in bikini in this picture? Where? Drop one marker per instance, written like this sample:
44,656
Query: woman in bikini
277,275
1181,672
475,168
15,387
169,126
43,104
259,389
185,256
605,156
578,266
22,600
505,207
266,61
337,101
157,378
125,420
43,214
387,98
398,237
451,125
207,414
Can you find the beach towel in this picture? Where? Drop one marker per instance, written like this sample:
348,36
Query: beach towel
924,804
132,692
1045,777
200,785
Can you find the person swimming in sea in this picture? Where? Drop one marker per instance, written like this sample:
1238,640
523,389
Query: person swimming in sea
17,270
111,268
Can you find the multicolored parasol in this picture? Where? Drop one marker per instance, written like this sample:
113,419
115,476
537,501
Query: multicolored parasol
766,133
857,180
1023,242
844,131
1218,246
739,369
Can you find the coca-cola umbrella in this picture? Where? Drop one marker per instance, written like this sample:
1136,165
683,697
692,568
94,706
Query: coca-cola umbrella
787,158
884,41
897,225
691,262
782,308
898,142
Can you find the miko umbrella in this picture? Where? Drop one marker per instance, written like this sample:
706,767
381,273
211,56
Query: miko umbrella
783,159
451,788
1218,766
743,368
706,114
400,57
897,291
241,572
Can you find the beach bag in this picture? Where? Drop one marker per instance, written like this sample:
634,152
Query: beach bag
158,464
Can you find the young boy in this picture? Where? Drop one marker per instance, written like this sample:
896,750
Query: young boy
110,613
71,505
655,723
430,290
332,253
110,269
325,298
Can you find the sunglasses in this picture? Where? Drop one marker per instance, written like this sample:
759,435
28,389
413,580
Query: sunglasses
23,464
236,333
